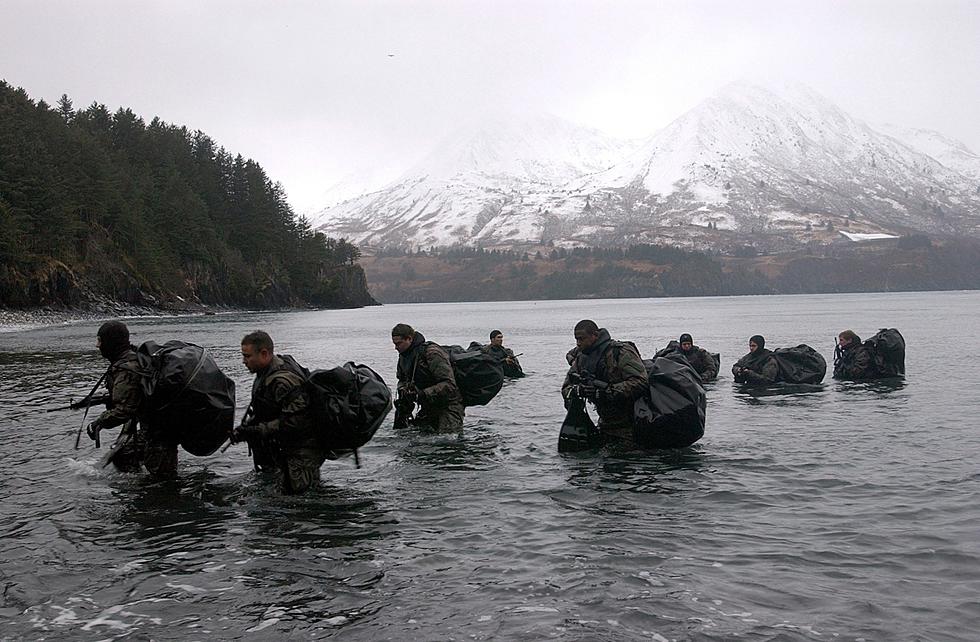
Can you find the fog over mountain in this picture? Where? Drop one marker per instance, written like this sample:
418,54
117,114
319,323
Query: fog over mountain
748,162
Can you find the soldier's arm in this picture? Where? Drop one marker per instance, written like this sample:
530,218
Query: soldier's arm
635,380
566,386
126,398
442,372
768,373
711,371
861,368
292,402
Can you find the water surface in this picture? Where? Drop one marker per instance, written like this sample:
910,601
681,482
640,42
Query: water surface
846,510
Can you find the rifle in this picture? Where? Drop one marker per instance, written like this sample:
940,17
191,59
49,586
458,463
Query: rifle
84,403
87,402
246,420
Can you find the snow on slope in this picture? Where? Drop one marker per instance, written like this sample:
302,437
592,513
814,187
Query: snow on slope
747,159
951,153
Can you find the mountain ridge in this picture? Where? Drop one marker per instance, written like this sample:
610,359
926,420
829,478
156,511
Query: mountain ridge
744,163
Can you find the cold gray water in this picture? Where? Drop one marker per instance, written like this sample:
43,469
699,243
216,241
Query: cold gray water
848,511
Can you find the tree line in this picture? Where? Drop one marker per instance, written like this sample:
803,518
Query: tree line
157,209
471,274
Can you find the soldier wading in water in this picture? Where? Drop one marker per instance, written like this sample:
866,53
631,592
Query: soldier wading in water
279,425
425,377
148,444
608,373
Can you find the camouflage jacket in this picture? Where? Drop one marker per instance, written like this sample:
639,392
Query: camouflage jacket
427,366
280,402
758,368
618,364
855,362
511,368
703,362
125,391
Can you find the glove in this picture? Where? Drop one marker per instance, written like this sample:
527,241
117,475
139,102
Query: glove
587,391
409,393
603,392
93,429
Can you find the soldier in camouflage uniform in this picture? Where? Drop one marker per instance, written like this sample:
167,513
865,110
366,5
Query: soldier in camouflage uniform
699,358
425,377
512,367
759,367
608,373
853,359
279,426
140,443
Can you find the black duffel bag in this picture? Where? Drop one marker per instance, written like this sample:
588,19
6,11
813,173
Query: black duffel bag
801,364
350,402
672,415
186,394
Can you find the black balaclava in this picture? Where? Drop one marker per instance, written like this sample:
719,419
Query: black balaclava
759,340
686,338
114,339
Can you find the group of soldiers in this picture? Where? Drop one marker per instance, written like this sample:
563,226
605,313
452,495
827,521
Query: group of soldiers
278,425
281,434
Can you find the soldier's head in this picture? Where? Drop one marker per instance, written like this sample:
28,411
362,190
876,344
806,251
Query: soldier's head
113,339
586,334
686,341
402,335
496,338
257,350
757,342
847,337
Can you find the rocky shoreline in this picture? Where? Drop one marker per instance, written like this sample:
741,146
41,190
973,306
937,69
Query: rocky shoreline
17,319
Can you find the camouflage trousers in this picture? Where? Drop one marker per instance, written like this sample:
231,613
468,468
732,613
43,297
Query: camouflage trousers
143,446
617,432
441,420
297,466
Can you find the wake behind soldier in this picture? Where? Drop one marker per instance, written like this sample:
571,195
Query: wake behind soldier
608,373
425,377
139,442
278,425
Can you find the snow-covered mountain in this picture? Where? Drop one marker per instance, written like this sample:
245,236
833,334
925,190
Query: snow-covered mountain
492,165
953,154
749,160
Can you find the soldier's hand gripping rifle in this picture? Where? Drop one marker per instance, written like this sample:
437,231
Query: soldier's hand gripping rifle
405,405
243,432
87,402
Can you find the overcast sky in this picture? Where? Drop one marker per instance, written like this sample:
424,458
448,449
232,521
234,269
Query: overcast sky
315,90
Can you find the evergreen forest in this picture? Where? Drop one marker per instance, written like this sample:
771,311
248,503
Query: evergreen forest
99,205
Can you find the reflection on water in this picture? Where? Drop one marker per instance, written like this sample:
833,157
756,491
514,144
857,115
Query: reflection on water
841,510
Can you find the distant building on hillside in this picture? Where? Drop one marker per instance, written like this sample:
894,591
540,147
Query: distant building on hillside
859,238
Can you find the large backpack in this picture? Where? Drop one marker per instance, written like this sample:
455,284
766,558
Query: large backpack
888,349
350,402
187,394
672,414
479,376
801,364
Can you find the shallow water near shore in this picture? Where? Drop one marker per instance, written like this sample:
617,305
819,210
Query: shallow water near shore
835,511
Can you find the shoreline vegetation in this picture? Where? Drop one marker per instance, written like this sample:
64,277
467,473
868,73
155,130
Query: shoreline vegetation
100,209
910,263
